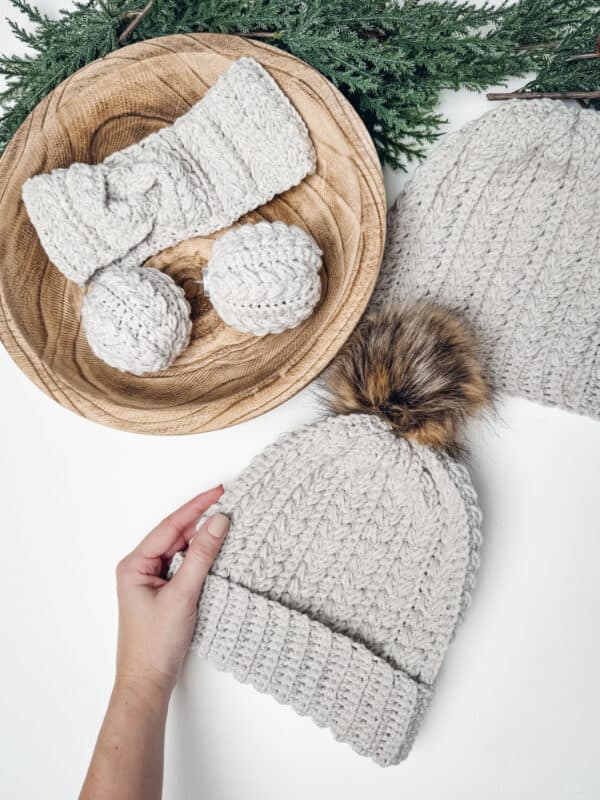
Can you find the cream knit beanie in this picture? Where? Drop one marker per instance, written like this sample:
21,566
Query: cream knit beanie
351,553
501,223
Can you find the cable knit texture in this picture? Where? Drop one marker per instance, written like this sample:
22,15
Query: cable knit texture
234,150
137,319
347,567
501,223
264,278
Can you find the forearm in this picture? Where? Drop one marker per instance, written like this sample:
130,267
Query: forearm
128,758
156,624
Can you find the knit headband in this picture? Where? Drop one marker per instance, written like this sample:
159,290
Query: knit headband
235,149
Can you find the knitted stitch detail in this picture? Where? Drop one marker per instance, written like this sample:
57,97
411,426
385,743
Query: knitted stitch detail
325,675
234,150
346,570
500,224
264,278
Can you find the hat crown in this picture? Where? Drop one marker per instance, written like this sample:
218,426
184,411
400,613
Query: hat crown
370,535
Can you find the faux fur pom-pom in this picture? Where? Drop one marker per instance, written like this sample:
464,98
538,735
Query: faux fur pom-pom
417,366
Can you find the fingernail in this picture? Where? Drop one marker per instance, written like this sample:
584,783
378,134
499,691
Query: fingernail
218,525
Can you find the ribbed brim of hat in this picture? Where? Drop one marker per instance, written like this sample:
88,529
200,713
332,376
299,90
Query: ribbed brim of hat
336,681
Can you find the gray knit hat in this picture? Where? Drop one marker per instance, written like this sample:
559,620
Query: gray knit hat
235,149
501,223
347,567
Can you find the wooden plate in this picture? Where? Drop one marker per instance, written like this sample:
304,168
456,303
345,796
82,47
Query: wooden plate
224,377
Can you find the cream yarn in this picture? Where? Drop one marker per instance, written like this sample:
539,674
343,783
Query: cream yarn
234,150
500,222
347,567
137,319
264,278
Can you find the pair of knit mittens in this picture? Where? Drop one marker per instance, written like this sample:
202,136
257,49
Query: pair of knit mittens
234,150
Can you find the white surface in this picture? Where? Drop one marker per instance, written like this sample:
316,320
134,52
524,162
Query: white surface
517,711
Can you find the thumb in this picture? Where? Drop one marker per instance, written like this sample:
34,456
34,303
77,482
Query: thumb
200,555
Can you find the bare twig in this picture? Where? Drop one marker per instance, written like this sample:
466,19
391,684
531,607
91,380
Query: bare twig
261,35
583,57
540,95
586,56
544,46
138,16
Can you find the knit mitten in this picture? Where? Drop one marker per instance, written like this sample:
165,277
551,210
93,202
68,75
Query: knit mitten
264,278
136,319
234,150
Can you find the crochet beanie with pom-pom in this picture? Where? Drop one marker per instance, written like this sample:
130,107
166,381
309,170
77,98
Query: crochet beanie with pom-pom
352,550
500,222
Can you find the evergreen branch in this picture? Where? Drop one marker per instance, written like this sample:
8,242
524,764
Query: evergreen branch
391,59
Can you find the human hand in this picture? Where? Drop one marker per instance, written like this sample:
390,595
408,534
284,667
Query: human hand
156,616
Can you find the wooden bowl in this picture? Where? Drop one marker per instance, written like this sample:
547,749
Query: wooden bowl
224,377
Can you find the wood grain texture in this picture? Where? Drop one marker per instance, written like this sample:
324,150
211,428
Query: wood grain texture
224,377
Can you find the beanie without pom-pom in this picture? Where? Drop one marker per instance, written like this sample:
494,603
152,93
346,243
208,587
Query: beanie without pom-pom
500,223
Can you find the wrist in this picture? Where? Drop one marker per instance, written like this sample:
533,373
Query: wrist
147,690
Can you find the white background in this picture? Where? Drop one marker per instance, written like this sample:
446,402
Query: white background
517,711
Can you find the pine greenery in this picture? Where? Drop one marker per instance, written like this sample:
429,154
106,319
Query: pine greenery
390,58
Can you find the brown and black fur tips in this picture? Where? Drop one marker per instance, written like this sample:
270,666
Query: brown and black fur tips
415,365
